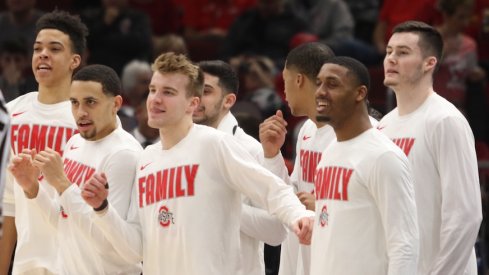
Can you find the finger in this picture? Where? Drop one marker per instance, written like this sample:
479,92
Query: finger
279,114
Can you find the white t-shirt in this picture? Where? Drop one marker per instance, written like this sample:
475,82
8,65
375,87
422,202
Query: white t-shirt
365,209
440,147
257,226
311,142
35,125
83,250
186,219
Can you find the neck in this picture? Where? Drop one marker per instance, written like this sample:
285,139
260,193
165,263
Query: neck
410,98
353,127
172,135
56,93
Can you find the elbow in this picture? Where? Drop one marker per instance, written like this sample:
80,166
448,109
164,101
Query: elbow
279,237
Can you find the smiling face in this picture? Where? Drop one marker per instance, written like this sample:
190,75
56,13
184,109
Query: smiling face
211,108
335,96
94,111
168,103
53,59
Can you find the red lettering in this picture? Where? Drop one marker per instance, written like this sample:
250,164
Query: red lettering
171,183
179,192
346,180
150,191
190,174
141,190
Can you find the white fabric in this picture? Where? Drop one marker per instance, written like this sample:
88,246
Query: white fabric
440,147
365,209
311,142
257,226
81,250
35,125
185,215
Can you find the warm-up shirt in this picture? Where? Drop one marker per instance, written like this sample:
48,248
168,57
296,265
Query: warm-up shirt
365,209
35,125
439,144
257,226
80,251
186,215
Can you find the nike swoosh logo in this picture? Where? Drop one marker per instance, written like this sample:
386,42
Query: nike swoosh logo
18,114
306,138
73,147
144,166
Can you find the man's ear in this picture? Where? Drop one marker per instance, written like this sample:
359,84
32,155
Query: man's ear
362,93
117,103
75,62
430,64
300,79
229,101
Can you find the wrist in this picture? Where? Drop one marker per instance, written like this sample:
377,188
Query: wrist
271,154
103,207
61,185
31,193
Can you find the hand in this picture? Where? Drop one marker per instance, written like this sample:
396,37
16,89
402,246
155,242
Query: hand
51,166
25,173
95,191
272,134
303,229
308,200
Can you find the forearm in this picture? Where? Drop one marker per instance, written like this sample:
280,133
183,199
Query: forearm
257,223
7,243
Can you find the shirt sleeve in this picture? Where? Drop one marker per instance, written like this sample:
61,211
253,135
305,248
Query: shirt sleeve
461,209
391,185
50,208
127,239
257,223
259,184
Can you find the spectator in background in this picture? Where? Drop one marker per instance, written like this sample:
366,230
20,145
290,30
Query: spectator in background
169,43
394,12
16,78
333,24
365,13
4,145
459,63
165,15
258,75
135,80
117,34
264,30
144,134
19,21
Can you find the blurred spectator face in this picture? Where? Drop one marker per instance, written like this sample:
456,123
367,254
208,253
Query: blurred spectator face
114,3
270,7
20,5
460,19
141,85
15,61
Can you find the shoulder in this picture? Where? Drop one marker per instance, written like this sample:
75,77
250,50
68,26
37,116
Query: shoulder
22,100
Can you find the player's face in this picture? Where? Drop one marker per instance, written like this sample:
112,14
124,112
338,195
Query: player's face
168,103
292,91
53,60
403,62
94,111
335,95
211,104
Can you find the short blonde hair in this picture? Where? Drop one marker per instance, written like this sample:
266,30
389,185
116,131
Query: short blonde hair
170,62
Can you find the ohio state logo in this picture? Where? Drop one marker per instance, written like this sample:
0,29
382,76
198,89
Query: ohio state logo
63,213
323,216
165,217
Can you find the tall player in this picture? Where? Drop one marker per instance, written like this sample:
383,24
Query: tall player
365,208
301,68
186,219
41,120
101,146
257,226
440,146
